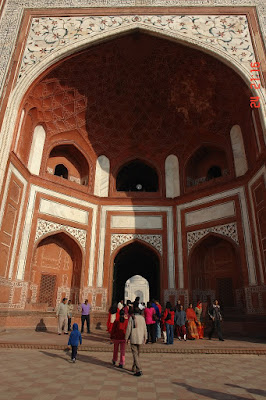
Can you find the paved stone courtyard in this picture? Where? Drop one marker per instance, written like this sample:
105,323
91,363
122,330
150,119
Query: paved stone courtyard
47,375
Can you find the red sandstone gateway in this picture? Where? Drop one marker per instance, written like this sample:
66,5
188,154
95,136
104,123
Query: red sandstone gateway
135,155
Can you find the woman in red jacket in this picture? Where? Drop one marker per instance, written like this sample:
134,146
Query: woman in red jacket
118,337
169,320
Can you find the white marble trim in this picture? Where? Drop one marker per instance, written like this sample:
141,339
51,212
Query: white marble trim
170,238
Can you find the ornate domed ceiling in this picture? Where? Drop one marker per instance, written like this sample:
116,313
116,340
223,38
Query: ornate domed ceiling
141,95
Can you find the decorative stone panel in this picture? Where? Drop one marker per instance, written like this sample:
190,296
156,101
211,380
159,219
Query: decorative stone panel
34,289
255,292
45,227
176,293
23,295
117,239
203,295
94,293
229,230
228,34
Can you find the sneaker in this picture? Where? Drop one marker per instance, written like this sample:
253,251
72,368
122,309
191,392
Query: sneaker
120,366
179,337
65,333
74,360
113,362
59,333
139,373
222,340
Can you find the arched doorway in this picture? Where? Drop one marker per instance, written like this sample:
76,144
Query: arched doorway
56,270
136,259
214,271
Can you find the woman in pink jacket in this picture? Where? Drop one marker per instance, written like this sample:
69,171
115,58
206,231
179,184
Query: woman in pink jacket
150,315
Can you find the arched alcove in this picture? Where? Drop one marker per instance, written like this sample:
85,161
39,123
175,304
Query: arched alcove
137,176
207,163
215,271
136,259
56,269
69,163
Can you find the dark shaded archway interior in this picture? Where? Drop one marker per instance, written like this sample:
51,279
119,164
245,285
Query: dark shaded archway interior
136,259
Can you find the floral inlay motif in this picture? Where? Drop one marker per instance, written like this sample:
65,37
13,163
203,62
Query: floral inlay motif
229,230
154,240
44,227
230,34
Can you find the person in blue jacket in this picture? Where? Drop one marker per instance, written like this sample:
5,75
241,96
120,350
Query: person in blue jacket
74,340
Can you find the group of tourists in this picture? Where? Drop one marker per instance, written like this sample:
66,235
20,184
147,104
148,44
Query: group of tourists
139,324
142,324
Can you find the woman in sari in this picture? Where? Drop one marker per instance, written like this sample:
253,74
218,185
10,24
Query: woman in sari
192,332
200,326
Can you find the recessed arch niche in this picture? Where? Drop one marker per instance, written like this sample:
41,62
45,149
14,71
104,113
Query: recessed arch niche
215,270
56,269
207,163
66,161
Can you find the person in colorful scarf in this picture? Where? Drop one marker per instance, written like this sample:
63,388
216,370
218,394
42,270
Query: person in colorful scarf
200,326
192,332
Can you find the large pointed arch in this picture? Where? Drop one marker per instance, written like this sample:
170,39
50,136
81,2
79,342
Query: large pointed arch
49,62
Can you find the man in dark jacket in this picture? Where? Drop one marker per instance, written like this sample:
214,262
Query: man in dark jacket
216,317
74,340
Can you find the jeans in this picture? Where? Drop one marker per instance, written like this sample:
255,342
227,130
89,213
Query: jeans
170,333
74,352
158,330
87,319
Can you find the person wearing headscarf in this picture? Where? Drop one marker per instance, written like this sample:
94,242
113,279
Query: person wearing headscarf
192,332
118,334
200,326
112,316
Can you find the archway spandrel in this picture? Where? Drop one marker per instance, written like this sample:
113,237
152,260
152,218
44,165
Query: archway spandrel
229,230
119,239
226,35
46,227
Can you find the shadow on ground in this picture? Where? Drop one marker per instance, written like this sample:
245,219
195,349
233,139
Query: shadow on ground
213,394
88,360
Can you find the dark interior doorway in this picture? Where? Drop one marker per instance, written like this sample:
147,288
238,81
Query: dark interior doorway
136,259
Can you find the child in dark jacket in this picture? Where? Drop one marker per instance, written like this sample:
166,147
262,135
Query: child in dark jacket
118,337
74,340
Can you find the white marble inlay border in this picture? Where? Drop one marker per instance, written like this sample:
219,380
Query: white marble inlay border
246,231
144,209
13,170
28,225
261,172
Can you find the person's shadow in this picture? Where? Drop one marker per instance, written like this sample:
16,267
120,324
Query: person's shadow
259,392
212,394
41,327
87,359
